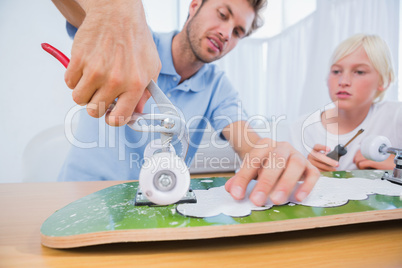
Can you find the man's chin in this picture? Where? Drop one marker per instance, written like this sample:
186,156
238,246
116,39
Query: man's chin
209,59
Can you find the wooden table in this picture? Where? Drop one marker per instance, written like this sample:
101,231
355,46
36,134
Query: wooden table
25,206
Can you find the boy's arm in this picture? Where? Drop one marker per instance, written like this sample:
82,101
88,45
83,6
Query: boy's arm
113,56
276,165
363,163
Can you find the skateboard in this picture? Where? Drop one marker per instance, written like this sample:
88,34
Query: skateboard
111,216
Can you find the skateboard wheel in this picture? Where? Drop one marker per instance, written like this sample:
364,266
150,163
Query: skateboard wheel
371,146
155,146
164,178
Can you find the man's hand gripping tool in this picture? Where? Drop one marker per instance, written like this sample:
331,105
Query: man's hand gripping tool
164,177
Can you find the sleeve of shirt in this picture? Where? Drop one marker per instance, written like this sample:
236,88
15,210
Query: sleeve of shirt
71,30
225,105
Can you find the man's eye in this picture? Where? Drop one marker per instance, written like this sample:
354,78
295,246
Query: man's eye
236,32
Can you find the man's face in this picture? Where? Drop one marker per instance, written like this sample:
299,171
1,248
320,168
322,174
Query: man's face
215,28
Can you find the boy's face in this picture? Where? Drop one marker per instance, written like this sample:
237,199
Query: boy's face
215,28
353,82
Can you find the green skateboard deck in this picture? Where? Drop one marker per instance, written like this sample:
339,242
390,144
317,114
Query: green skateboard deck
110,216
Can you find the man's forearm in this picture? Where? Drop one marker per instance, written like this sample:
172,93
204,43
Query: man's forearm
75,10
71,10
241,137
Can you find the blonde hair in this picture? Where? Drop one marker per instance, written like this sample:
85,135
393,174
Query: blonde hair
378,53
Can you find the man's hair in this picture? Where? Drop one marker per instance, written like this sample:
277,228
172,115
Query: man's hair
258,6
377,51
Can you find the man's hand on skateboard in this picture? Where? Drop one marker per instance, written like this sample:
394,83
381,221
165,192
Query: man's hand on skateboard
277,170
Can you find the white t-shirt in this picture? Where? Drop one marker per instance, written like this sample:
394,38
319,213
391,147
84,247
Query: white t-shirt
383,119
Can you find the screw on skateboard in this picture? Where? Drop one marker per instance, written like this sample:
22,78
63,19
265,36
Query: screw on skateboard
110,216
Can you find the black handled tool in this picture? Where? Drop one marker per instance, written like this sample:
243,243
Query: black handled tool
341,150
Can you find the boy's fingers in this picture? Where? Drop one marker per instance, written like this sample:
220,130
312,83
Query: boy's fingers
324,159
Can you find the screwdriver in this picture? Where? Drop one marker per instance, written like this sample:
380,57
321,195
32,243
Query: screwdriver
341,150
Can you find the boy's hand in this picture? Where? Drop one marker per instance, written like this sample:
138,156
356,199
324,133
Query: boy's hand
363,163
277,170
318,157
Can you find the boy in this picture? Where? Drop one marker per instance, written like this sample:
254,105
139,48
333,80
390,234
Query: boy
360,72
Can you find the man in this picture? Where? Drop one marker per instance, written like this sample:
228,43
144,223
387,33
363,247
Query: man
107,64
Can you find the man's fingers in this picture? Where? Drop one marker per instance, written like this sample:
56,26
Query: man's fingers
122,111
145,96
311,176
277,170
228,184
253,166
272,169
97,106
238,185
127,103
85,90
103,98
140,106
265,183
73,74
295,169
248,171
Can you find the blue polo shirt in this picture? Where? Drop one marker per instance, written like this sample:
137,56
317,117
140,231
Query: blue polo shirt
101,152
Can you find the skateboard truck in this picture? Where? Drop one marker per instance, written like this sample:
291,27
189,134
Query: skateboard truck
142,200
378,148
164,177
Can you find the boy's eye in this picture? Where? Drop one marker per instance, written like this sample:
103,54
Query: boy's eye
336,71
360,72
221,15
